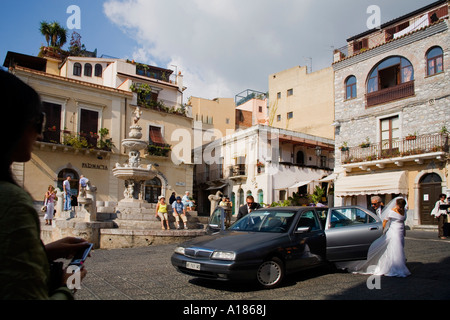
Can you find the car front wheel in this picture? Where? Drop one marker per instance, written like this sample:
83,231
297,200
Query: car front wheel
270,273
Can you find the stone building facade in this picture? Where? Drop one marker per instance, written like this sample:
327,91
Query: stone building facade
268,163
392,101
84,106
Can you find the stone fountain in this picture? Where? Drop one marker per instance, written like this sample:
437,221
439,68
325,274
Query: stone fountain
133,173
129,223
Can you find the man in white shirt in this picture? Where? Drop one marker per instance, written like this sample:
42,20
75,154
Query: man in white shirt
441,215
67,194
376,205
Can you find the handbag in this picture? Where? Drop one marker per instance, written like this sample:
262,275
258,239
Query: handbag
44,207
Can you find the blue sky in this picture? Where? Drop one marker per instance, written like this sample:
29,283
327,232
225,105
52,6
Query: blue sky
222,47
21,20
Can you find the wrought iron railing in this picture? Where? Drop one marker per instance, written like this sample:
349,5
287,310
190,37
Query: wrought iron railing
237,170
411,145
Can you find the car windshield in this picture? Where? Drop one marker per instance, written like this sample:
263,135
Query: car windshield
265,221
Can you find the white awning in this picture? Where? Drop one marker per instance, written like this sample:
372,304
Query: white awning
377,183
300,184
330,178
217,187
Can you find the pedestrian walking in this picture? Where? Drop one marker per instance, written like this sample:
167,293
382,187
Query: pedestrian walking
376,205
248,207
83,186
386,255
67,194
25,263
440,213
50,197
227,207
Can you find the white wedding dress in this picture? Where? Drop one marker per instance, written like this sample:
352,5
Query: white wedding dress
386,255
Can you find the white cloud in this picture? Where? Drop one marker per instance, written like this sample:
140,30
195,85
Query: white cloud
223,47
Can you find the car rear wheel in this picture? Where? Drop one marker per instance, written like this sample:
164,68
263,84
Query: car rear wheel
270,273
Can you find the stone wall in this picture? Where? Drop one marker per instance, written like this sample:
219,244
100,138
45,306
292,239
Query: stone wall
425,112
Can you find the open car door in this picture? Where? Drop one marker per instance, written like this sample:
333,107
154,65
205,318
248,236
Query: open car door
350,231
216,221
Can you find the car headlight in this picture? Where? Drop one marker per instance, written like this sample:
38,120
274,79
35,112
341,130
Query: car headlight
179,250
224,255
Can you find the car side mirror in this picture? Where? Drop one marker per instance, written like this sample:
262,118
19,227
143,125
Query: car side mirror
303,229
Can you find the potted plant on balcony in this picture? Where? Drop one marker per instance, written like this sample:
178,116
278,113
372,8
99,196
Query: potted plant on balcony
365,144
103,143
260,166
160,151
344,146
75,141
411,136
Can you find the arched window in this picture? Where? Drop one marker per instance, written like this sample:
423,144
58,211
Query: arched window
435,61
389,73
241,199
350,88
233,201
260,196
98,70
430,178
77,69
88,70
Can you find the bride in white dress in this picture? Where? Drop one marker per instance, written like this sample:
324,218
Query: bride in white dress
386,255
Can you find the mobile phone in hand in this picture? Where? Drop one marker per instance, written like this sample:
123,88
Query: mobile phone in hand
81,256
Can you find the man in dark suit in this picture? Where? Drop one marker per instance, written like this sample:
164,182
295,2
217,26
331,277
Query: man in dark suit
249,207
376,205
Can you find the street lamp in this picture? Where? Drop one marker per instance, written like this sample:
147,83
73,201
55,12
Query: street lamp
318,151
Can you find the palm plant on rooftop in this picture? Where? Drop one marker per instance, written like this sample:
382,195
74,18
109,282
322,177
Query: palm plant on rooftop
54,33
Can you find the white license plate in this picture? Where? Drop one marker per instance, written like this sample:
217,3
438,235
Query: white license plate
193,266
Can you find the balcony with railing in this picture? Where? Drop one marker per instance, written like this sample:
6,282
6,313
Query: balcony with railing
411,148
66,140
237,172
397,92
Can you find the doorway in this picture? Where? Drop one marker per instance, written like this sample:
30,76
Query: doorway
430,186
153,189
63,174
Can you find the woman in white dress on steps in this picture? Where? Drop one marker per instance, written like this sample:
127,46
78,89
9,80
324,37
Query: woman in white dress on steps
386,255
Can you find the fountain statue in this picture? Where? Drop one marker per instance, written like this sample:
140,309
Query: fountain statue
133,173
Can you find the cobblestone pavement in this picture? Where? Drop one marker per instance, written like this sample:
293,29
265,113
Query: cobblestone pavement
147,274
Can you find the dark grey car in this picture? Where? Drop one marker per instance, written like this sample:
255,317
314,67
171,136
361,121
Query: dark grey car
269,243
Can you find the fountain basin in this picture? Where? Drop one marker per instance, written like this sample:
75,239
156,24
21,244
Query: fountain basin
132,173
134,144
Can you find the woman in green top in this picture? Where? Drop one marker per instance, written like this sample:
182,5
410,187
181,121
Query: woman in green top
24,260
